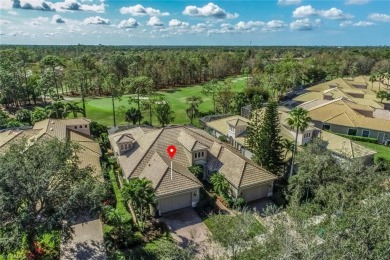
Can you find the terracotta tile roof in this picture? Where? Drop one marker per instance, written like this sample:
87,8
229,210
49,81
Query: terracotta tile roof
89,153
138,161
350,116
343,146
221,125
158,171
125,138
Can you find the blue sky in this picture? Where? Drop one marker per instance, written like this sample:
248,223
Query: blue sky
180,22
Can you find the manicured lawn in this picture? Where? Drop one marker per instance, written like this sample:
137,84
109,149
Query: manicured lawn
212,223
383,150
100,109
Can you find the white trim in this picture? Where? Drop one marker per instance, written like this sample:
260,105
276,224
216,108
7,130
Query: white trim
383,137
369,132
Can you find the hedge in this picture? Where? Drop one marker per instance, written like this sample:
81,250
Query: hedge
360,138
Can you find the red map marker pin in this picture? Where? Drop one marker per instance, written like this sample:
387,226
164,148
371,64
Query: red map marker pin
171,150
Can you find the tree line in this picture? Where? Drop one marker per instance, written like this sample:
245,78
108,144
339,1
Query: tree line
28,75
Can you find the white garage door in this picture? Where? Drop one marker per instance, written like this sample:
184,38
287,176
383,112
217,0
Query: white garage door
175,202
255,193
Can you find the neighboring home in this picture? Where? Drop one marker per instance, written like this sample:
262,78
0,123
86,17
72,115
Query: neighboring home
233,128
343,116
76,130
358,90
141,153
341,147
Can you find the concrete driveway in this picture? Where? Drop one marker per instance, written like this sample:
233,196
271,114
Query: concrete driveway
186,226
87,242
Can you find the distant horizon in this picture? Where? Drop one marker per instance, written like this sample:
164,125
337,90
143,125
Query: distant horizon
195,23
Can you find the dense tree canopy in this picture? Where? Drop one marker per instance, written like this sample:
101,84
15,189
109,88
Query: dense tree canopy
42,189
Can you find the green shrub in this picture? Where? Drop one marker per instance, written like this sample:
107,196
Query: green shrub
223,138
239,203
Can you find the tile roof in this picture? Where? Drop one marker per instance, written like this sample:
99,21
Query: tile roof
138,161
158,171
345,114
125,138
89,153
221,125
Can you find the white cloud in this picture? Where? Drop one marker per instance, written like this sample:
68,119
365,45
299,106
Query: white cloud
289,2
274,25
357,24
379,17
57,19
37,21
139,10
155,21
2,21
209,10
200,27
363,24
332,13
50,34
304,11
250,25
305,24
177,23
96,20
66,5
129,23
356,2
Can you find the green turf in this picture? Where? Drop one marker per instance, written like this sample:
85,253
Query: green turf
383,150
100,109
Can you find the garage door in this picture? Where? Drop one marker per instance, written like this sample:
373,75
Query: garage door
255,193
175,202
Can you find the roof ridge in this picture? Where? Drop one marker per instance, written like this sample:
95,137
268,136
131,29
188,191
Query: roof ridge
242,174
339,115
18,133
147,150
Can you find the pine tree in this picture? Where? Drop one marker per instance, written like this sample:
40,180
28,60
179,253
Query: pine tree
268,147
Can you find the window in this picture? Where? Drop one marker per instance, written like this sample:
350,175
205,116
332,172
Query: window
366,133
86,126
196,155
75,127
81,126
326,127
202,154
306,135
126,146
352,131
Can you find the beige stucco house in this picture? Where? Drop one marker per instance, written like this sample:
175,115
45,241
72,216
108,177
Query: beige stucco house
176,187
346,117
76,130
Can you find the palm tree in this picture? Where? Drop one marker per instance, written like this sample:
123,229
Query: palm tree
219,182
112,85
57,110
382,95
193,110
372,79
299,120
73,107
288,146
140,193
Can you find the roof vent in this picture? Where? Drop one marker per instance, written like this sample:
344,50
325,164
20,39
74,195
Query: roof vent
51,128
52,121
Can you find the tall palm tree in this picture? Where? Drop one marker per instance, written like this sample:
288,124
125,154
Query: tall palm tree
140,193
372,79
219,182
111,83
288,146
298,120
193,110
